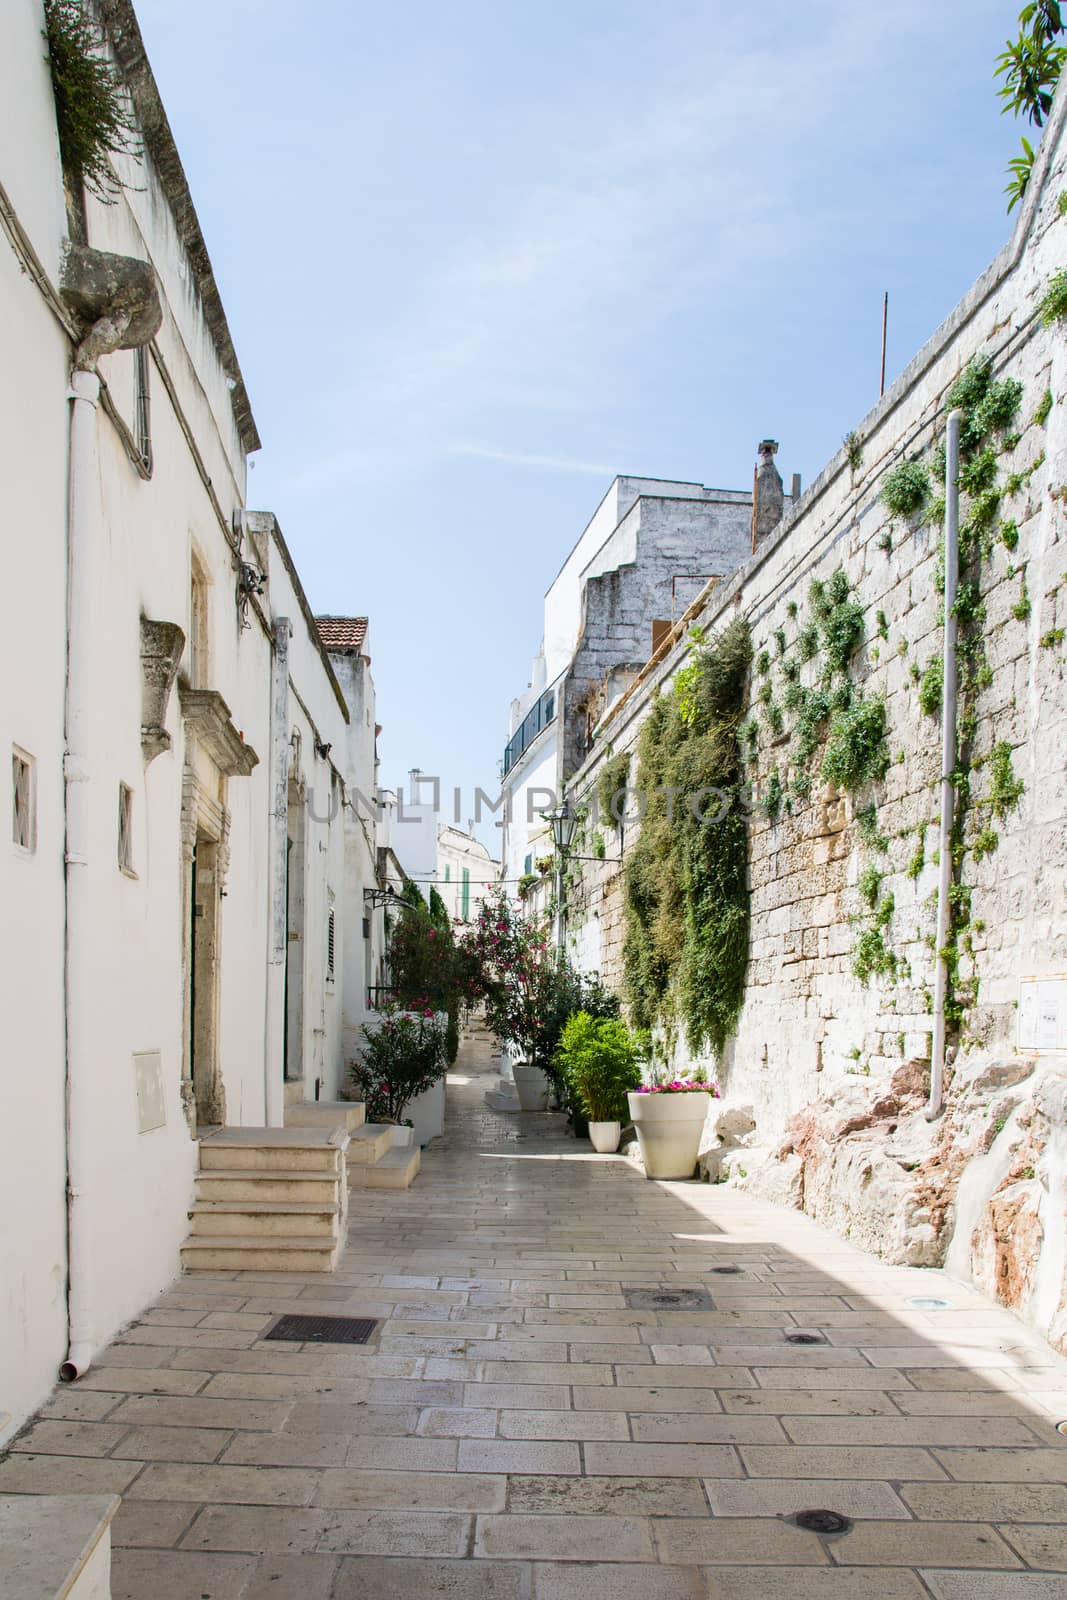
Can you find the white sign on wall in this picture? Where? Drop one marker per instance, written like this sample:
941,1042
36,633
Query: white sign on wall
1043,1013
148,1081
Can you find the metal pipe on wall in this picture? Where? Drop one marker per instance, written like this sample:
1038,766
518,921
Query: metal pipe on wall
273,1063
948,762
79,932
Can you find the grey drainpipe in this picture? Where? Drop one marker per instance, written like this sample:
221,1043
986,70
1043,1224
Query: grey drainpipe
948,762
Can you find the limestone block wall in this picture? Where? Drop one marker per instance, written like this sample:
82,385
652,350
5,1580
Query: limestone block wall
833,1069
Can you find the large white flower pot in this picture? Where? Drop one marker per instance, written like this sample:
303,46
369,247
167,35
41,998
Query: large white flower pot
605,1136
532,1087
668,1130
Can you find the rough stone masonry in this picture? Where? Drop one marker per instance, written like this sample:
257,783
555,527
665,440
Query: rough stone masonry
824,1083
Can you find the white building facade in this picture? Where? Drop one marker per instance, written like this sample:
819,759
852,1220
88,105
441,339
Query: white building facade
466,872
182,867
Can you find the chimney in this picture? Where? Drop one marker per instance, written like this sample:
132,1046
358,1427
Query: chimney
768,499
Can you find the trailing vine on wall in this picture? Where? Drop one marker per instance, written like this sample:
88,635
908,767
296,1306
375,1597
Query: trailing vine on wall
685,952
93,116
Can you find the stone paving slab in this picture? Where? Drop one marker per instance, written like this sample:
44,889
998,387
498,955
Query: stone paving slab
514,1430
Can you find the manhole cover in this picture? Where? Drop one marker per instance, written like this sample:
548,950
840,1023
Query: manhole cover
805,1338
323,1330
726,1271
927,1302
667,1299
821,1521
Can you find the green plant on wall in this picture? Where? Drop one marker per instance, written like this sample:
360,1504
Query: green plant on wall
93,117
686,880
611,789
905,488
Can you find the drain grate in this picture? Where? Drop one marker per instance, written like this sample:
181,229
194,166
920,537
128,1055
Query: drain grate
668,1299
927,1302
805,1338
821,1521
323,1330
726,1271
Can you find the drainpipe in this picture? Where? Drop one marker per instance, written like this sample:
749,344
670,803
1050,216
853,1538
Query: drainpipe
79,933
273,1066
948,763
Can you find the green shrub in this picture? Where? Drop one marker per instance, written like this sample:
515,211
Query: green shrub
401,1059
869,886
1054,304
931,688
1044,405
857,752
842,633
93,118
807,642
905,488
1006,790
597,1058
611,787
1009,535
772,799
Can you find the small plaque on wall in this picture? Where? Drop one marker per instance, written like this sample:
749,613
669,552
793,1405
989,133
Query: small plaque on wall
148,1081
1043,1013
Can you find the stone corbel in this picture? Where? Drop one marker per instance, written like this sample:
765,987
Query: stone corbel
162,644
207,718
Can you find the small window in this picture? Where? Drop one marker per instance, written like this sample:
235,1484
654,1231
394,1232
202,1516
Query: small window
330,936
126,828
23,800
448,873
143,411
527,866
466,894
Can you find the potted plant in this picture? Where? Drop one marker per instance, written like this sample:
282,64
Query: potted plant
669,1119
402,1058
597,1058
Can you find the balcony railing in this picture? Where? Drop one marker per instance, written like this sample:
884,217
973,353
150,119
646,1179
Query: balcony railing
535,721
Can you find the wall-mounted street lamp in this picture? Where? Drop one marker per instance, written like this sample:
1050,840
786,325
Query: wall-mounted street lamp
563,820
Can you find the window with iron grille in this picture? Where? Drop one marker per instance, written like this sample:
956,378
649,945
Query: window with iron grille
125,827
23,800
330,935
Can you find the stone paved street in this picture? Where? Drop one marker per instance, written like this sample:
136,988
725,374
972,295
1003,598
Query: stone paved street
517,1430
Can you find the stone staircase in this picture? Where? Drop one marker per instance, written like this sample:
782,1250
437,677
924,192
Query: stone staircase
270,1200
56,1546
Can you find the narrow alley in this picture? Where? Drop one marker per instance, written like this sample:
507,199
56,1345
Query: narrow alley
580,1384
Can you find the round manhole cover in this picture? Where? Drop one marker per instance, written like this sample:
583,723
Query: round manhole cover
822,1521
667,1299
804,1338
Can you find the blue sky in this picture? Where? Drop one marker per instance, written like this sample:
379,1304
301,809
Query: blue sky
477,259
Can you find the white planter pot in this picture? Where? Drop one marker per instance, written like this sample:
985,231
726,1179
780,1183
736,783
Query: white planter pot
604,1137
402,1138
532,1087
668,1130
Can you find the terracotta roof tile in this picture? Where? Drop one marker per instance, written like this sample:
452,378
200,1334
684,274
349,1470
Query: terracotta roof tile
344,635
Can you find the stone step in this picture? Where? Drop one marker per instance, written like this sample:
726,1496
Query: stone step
265,1219
267,1149
350,1114
234,1253
396,1170
282,1183
369,1144
56,1546
503,1098
294,1091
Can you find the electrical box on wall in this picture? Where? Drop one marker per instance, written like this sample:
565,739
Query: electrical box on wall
1043,1013
148,1082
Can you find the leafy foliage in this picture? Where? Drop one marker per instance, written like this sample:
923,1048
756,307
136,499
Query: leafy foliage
93,119
905,488
401,1059
1054,303
1030,67
597,1059
687,904
856,751
931,687
611,788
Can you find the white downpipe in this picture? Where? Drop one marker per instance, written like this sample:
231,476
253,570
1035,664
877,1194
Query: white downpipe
79,933
273,1063
948,761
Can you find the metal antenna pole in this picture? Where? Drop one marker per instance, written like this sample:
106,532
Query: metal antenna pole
885,326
